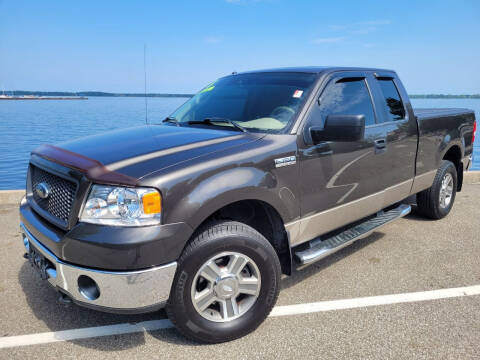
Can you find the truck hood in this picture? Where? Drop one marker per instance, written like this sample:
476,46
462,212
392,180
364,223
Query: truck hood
135,152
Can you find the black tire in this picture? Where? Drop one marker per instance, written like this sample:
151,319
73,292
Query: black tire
428,201
215,239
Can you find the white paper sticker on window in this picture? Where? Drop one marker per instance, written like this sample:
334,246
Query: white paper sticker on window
298,93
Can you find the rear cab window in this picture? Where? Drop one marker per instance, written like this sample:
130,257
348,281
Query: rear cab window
391,101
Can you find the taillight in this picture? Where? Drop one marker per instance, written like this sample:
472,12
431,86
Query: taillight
474,131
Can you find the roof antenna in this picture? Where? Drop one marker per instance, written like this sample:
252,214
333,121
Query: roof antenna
145,81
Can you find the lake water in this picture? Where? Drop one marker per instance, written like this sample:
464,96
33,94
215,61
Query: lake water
26,124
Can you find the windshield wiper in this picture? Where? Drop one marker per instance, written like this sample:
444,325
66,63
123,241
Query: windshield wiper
214,120
171,120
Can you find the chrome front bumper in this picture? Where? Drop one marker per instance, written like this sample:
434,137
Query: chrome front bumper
114,291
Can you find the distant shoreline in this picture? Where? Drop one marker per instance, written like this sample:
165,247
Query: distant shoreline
174,95
443,96
92,93
29,97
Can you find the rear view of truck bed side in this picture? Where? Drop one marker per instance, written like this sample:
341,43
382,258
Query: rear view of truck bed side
443,134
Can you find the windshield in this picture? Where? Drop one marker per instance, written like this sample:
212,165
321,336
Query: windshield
265,102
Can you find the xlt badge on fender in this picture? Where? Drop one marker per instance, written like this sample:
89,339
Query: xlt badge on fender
289,160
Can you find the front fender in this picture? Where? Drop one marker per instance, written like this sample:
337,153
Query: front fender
242,183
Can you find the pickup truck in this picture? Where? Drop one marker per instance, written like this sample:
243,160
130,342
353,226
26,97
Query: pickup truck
257,175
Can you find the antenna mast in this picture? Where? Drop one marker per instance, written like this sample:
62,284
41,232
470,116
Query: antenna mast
145,80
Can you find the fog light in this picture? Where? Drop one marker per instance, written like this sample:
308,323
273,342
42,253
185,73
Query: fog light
88,287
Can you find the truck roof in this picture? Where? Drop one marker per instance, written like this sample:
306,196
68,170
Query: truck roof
317,69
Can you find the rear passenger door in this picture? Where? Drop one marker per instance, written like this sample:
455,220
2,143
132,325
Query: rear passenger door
340,181
400,135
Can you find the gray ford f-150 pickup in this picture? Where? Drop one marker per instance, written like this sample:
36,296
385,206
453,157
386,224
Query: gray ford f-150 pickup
258,174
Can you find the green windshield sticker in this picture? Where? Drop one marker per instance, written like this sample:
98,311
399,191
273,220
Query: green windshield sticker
208,88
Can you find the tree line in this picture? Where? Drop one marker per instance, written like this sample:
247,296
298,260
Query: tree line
101,93
89,93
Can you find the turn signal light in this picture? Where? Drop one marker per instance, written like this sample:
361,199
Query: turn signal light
152,203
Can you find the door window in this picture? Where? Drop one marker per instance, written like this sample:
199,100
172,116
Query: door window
348,96
393,101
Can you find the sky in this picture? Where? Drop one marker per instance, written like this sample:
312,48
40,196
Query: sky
98,45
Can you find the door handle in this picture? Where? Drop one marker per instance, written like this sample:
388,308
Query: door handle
380,145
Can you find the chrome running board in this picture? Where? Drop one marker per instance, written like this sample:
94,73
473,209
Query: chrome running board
320,249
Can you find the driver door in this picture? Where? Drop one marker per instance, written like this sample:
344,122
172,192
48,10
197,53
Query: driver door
341,181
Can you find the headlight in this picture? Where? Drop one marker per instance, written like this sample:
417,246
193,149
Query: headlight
122,206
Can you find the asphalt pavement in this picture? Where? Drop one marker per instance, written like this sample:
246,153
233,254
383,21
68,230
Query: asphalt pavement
408,256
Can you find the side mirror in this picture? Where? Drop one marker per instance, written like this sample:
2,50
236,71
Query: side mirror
346,128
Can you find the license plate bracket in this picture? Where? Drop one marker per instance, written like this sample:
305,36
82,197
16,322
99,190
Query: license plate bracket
38,262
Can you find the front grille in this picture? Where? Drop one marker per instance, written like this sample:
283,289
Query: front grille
60,201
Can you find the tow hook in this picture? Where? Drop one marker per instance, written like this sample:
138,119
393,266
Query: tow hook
64,300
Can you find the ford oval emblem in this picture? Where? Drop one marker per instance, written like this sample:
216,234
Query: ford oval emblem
43,190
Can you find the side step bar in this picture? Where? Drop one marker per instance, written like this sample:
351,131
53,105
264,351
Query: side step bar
322,248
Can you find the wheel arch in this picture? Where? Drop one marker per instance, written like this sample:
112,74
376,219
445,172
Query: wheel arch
260,215
454,154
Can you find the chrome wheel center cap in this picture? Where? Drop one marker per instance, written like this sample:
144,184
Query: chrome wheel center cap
226,288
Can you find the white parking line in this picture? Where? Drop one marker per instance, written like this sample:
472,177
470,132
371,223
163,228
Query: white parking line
75,334
128,328
374,301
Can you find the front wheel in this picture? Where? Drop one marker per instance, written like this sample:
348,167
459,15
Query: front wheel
437,201
226,284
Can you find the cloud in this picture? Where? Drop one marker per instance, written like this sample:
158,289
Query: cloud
327,40
213,39
241,2
375,22
360,27
348,31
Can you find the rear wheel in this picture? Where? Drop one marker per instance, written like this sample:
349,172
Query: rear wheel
437,201
226,284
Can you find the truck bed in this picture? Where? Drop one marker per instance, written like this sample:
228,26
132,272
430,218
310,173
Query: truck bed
436,128
427,113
